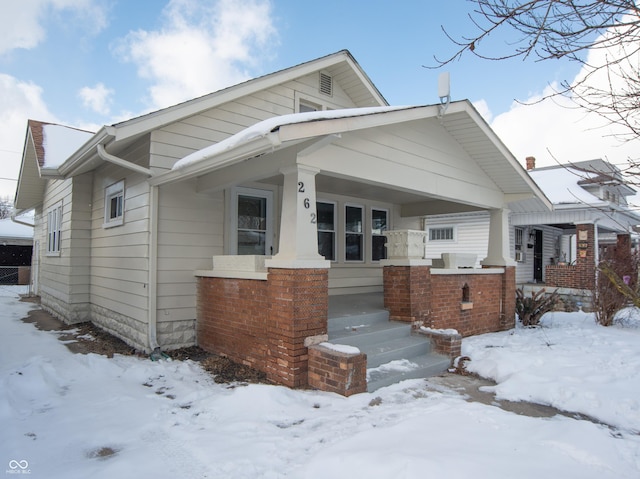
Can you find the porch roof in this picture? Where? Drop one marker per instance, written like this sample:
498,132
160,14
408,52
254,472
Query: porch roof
310,132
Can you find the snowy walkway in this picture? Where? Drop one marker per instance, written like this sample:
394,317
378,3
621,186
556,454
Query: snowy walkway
78,416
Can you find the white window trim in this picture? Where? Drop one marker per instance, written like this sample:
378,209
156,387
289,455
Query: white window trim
454,234
54,225
233,233
363,233
335,227
110,192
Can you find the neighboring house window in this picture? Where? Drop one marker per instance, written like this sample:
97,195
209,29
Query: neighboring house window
252,223
518,239
441,234
379,224
114,205
354,237
54,227
326,230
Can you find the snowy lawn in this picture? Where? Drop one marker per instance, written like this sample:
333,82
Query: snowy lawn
75,416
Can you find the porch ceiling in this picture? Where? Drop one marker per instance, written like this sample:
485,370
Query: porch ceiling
412,204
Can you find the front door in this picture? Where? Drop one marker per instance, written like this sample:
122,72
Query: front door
537,257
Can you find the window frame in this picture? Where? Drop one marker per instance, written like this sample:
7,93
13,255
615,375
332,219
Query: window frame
373,234
362,234
54,229
442,228
237,191
111,192
334,231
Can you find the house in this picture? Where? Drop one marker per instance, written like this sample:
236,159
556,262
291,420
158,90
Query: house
559,248
230,220
16,244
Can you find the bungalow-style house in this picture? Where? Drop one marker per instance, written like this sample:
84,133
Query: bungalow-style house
246,221
558,248
16,245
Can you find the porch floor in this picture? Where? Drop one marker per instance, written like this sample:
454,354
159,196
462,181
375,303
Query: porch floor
393,352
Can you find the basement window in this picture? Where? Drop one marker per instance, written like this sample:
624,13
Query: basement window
114,205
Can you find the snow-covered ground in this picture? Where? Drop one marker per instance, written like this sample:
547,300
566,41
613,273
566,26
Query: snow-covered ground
78,416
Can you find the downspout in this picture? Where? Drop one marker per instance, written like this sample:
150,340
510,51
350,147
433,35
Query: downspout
153,274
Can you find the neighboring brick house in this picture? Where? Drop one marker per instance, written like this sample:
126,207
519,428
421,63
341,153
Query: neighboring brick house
229,220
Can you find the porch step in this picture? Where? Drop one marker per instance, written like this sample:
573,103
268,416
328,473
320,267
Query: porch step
393,353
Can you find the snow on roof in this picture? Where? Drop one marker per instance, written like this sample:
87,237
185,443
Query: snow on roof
561,186
263,128
60,142
10,229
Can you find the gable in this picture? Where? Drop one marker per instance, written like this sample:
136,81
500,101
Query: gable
176,140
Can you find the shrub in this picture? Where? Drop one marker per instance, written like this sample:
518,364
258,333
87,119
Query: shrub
531,309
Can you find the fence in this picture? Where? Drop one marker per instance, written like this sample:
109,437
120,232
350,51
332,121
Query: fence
15,274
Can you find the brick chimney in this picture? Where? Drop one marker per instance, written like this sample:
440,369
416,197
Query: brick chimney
531,162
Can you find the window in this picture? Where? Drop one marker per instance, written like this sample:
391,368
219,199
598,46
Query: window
326,230
518,238
114,205
252,222
379,224
441,234
54,227
305,106
354,244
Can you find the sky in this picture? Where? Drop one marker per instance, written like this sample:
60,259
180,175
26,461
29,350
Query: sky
70,416
88,63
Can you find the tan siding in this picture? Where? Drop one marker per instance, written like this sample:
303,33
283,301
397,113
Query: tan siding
177,140
119,255
190,232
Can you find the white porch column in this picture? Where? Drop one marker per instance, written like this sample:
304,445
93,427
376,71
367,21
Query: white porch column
298,247
498,251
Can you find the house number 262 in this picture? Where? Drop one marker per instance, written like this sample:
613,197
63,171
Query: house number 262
306,202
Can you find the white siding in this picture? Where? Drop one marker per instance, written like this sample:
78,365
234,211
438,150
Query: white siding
471,235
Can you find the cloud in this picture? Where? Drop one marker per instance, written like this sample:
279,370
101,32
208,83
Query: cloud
97,98
21,23
19,101
202,47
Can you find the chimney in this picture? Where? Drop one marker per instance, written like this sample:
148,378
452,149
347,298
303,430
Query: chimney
531,162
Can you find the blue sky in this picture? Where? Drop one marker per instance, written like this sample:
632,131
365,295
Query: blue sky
87,63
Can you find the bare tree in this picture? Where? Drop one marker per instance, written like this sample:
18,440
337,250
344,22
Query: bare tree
601,35
6,208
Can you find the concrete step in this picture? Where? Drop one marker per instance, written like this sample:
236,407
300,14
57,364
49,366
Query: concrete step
357,321
399,370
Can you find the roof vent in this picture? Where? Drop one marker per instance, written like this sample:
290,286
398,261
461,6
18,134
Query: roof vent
326,84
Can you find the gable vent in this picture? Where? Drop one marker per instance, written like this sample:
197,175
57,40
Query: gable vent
326,84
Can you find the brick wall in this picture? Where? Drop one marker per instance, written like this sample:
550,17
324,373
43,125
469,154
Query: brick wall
263,324
335,371
414,294
481,315
581,275
407,292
